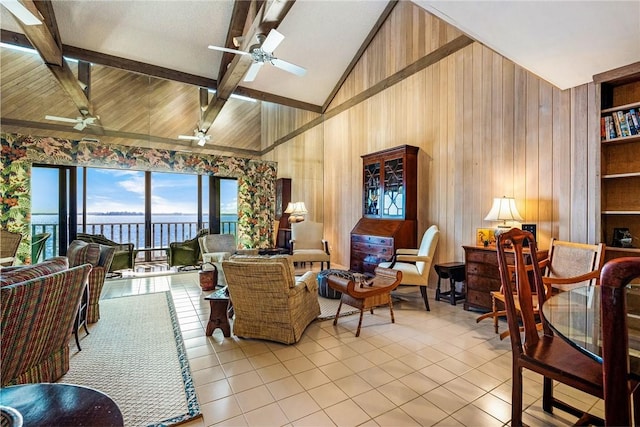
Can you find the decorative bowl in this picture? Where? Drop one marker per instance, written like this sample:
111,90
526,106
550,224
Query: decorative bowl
626,242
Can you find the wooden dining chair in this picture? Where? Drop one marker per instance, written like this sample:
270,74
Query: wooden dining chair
543,353
618,381
568,265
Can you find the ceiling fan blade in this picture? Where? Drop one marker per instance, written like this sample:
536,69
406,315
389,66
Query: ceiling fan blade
253,71
226,49
288,66
80,126
274,38
61,119
193,138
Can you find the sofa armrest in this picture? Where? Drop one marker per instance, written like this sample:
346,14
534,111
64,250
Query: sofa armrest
308,280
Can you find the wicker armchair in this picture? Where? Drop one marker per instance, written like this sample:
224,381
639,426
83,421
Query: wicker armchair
9,243
124,256
268,300
186,253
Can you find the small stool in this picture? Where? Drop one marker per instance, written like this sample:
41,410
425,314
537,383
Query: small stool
221,310
455,272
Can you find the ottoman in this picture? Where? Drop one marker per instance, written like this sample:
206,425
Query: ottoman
323,287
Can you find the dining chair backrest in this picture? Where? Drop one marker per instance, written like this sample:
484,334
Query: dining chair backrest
616,275
570,259
523,290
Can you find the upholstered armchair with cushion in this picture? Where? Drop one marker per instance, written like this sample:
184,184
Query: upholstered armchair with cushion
124,256
38,307
186,253
217,247
100,257
269,302
416,263
308,244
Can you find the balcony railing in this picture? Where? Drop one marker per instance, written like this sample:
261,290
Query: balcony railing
162,233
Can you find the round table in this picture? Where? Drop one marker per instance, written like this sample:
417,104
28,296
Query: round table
49,404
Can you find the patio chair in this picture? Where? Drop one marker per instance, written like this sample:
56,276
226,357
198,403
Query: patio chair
38,243
9,243
124,255
186,253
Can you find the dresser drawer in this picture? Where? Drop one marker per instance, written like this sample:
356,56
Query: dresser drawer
486,270
482,283
482,257
380,250
478,299
375,240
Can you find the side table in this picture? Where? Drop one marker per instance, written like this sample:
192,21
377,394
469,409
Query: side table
221,310
455,272
59,404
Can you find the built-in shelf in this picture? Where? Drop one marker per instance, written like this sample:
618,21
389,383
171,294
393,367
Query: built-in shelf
620,159
621,175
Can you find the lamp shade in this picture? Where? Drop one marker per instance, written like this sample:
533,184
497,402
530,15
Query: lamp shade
296,208
503,209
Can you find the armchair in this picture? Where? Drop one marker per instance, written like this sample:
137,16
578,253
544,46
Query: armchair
416,263
568,265
308,245
35,336
9,243
100,257
124,254
37,246
217,247
186,253
268,300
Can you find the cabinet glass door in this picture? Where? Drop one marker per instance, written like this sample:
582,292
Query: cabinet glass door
371,189
393,200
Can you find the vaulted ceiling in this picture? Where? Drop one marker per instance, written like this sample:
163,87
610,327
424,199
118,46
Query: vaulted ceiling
145,62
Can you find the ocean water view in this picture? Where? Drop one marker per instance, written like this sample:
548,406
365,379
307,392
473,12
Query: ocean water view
129,228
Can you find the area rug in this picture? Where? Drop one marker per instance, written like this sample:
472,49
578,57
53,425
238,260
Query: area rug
329,307
136,355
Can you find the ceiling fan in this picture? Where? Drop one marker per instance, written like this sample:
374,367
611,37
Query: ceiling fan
199,136
80,122
262,53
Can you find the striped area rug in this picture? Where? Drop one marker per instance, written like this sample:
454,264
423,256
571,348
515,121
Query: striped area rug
136,355
329,307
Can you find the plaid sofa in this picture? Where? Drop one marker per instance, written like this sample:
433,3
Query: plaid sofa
38,307
269,302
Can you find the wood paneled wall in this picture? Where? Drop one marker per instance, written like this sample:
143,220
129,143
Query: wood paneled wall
486,128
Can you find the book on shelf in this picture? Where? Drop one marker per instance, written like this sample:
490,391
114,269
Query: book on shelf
616,122
633,130
624,126
635,118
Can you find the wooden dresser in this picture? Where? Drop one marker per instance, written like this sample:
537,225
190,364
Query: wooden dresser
483,276
375,241
389,206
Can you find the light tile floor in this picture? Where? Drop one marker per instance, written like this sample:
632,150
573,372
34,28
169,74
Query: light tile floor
429,368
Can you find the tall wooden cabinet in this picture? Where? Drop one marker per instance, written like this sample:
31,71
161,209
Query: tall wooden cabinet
389,207
620,160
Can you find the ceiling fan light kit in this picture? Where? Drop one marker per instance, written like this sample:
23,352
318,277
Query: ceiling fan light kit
262,53
199,136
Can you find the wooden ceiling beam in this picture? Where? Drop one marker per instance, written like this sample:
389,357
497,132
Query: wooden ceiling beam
236,28
268,17
46,40
93,57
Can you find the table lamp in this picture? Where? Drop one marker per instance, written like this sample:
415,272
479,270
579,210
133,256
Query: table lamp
296,211
503,209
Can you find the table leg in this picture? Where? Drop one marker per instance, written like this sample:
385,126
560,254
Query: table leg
219,317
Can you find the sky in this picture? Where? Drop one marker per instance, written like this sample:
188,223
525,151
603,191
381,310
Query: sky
123,191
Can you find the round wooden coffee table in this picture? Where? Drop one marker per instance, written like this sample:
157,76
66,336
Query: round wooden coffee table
56,404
